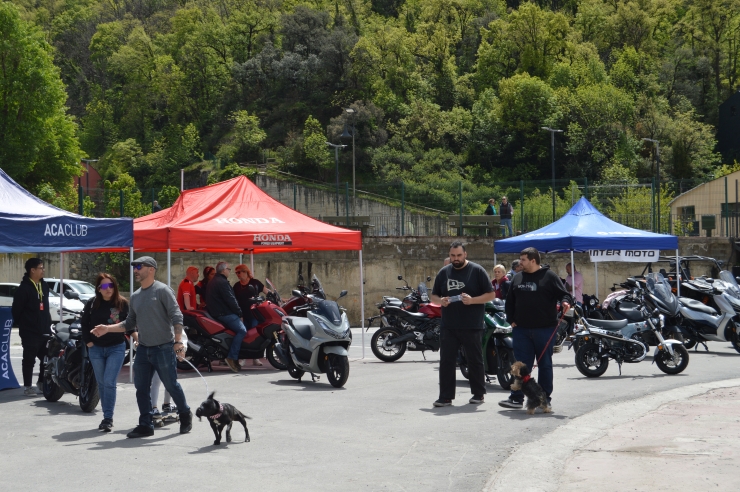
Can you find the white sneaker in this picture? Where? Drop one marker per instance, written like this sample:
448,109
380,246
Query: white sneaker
30,391
257,362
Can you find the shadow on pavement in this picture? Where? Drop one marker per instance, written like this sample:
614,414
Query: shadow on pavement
321,385
9,395
64,408
125,442
75,436
452,410
522,415
212,447
628,376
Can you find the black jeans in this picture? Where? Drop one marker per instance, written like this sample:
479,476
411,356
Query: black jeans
34,346
450,342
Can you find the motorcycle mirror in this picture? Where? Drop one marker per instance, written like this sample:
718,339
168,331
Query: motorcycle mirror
429,279
296,293
71,295
400,277
342,294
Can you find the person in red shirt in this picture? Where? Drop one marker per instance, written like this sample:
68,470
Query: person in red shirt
186,290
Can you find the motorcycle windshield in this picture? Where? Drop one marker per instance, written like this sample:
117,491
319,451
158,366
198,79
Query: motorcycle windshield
272,287
318,290
658,286
731,286
423,292
330,311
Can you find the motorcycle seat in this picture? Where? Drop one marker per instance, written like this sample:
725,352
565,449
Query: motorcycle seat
302,326
608,324
631,314
697,306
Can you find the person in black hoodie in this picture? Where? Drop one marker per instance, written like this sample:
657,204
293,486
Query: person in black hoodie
31,315
108,351
222,305
531,308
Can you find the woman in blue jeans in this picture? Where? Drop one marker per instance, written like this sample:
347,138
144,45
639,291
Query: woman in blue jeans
108,351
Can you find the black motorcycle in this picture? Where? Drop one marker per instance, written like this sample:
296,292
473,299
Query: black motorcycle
403,330
68,368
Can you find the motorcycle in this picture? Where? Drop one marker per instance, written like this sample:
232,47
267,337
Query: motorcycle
601,340
498,348
67,368
716,321
318,342
299,303
209,340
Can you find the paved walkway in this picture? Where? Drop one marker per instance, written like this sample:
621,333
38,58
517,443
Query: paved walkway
683,439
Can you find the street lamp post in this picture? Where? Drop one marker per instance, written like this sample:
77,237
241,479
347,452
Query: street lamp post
336,161
552,151
657,168
346,134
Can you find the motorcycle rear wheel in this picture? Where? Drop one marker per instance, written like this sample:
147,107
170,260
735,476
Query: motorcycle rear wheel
734,340
689,343
463,361
386,354
505,359
337,371
668,365
296,373
51,391
589,362
89,394
274,359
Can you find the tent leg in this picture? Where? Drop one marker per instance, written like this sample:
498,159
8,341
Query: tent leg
131,293
61,285
241,259
362,305
169,262
573,275
596,277
251,261
678,274
494,260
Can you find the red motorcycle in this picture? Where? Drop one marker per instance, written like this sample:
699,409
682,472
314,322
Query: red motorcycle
209,340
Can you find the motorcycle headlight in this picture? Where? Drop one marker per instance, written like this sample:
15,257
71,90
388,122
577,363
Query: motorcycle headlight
338,333
592,302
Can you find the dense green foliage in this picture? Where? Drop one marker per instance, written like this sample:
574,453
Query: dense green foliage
443,91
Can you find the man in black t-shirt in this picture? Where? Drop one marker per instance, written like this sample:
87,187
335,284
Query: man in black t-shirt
531,308
462,288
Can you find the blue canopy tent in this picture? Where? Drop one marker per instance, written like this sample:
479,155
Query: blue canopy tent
584,228
27,223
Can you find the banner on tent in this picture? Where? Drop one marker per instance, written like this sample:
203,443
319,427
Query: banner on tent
7,377
636,255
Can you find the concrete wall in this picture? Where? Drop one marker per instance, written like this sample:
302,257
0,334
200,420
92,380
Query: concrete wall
384,259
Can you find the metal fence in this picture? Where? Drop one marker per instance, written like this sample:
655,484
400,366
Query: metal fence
685,208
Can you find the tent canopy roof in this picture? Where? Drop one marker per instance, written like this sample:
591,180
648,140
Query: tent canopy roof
584,228
237,216
28,223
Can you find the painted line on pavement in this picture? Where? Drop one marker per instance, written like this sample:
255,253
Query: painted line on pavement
544,459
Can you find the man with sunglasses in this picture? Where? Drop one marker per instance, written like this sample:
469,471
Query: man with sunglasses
154,313
222,305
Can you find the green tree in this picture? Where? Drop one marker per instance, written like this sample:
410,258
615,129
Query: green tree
244,138
315,150
37,138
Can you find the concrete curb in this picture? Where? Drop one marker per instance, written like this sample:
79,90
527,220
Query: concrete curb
545,458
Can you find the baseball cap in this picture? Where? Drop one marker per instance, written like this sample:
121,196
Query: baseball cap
146,261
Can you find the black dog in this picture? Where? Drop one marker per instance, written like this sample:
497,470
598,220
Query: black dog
536,397
221,415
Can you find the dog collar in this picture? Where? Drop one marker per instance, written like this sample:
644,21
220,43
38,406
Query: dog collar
220,411
526,378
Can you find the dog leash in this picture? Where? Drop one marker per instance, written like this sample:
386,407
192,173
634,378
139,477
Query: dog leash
201,376
547,345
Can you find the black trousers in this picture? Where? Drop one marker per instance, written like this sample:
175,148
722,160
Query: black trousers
34,346
450,342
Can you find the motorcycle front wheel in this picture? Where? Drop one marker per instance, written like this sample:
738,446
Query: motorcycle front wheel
589,361
387,353
673,364
296,373
463,363
274,359
52,392
505,359
734,340
337,371
89,395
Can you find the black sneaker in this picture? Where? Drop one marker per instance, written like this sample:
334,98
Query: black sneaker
167,408
477,399
106,425
442,403
511,403
140,431
186,422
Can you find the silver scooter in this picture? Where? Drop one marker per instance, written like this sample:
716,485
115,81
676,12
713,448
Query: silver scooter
317,343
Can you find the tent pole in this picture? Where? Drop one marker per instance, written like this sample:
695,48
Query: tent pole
130,294
362,306
573,277
61,286
596,277
169,258
494,260
251,260
678,274
241,258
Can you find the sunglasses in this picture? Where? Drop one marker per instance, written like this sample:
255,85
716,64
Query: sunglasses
109,285
138,266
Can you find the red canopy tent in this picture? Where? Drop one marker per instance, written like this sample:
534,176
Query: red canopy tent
236,216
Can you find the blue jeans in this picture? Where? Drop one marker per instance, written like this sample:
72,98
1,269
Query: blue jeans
159,359
529,343
507,223
235,324
107,362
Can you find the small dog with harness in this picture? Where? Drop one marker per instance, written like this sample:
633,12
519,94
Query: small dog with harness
221,415
536,396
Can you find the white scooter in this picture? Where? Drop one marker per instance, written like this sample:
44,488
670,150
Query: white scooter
317,343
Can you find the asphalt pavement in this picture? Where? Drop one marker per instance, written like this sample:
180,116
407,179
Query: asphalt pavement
379,432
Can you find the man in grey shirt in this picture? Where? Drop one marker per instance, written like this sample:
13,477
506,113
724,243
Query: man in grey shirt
154,313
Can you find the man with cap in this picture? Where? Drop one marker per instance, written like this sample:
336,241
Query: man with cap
154,313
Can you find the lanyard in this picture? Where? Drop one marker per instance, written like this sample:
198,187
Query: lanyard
38,289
